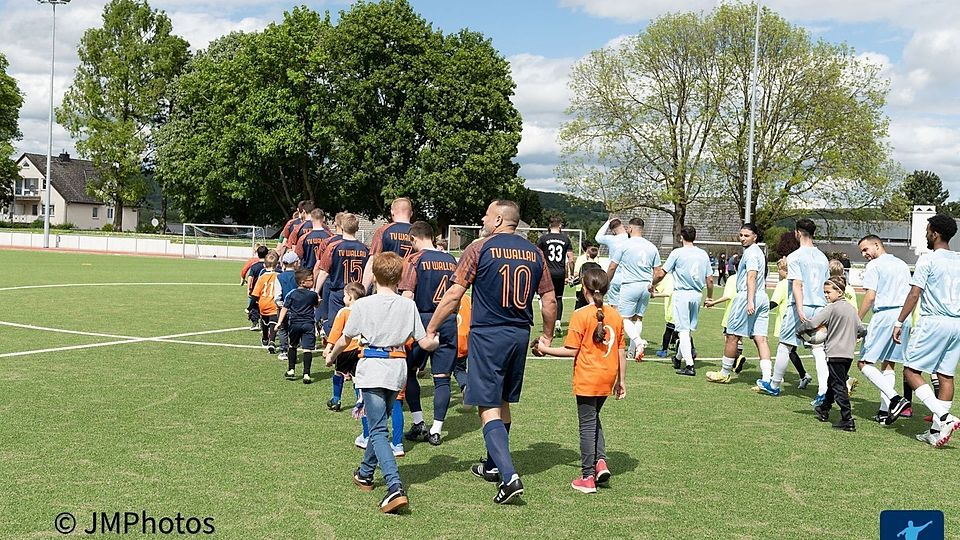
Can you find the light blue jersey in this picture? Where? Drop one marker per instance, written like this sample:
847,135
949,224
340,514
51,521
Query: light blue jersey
636,260
809,266
615,245
690,266
753,259
938,274
889,277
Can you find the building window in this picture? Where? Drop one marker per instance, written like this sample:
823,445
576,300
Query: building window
109,212
53,209
96,212
34,212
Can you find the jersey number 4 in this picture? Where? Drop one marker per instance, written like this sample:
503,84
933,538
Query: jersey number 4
516,286
441,290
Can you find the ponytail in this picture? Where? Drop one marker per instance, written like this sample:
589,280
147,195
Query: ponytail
595,283
599,333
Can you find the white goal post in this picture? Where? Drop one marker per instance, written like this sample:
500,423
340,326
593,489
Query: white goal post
202,240
460,236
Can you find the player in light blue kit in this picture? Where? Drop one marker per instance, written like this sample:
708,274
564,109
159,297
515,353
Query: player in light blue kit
635,262
692,272
750,310
612,234
887,282
807,270
935,343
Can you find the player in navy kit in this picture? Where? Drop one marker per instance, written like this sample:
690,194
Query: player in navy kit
297,312
426,275
558,250
394,236
342,263
506,271
306,247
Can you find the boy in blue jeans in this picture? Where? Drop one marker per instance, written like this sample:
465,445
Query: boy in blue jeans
386,322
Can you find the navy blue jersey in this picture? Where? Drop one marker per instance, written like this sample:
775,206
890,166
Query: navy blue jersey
307,247
506,271
427,275
393,237
344,261
299,304
288,282
255,270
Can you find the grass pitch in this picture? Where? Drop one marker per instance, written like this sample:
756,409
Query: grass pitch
213,430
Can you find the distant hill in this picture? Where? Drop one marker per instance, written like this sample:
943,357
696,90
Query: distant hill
577,213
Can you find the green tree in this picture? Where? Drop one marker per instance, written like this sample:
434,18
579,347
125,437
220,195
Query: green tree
119,93
924,187
666,115
10,102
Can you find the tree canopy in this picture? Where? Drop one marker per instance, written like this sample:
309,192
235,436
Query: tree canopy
10,102
351,115
119,95
661,119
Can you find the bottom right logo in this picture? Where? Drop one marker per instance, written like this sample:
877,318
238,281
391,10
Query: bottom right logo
911,525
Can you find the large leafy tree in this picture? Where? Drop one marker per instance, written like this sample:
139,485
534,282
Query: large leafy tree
119,94
10,102
662,119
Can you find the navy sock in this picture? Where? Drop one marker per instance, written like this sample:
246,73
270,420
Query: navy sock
307,362
441,397
337,386
495,436
489,464
292,358
413,392
363,419
397,418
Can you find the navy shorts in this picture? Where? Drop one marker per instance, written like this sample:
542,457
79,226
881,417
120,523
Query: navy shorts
495,362
443,359
320,312
302,335
334,305
347,362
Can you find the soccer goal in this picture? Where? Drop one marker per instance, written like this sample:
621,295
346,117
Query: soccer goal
213,240
461,236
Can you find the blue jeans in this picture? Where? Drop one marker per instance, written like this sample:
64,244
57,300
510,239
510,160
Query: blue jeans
377,405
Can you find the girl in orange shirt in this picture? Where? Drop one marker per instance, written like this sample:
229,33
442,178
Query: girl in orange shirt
595,340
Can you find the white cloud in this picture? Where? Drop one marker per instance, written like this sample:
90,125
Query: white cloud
930,144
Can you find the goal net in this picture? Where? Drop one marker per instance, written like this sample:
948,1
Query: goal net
461,236
216,240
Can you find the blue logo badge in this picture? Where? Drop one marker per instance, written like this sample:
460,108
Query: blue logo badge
911,525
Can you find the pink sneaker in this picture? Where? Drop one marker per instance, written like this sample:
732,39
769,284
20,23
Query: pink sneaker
584,485
603,473
907,413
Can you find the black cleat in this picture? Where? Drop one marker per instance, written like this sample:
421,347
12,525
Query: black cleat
880,417
417,432
822,415
688,371
676,363
333,405
272,348
739,363
508,492
490,475
845,426
897,406
433,439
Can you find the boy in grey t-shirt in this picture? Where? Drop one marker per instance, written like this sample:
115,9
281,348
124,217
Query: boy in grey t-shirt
385,321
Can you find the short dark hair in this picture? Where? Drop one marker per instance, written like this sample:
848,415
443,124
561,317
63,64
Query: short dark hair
355,290
421,230
943,225
556,221
307,206
752,227
302,274
614,223
806,226
636,222
262,251
688,233
870,238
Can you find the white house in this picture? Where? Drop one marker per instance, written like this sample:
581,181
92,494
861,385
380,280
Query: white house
69,200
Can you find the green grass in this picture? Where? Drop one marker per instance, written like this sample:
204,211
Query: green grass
215,431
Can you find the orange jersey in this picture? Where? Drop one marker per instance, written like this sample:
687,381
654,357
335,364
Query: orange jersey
246,267
596,364
337,330
265,292
463,326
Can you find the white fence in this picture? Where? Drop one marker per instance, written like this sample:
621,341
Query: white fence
121,244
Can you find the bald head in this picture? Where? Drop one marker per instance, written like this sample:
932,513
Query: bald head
401,210
502,215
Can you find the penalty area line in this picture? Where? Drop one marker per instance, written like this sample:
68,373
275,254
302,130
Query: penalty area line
157,339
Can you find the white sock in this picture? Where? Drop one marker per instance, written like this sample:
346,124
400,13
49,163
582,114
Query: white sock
780,367
630,328
823,372
639,326
946,405
686,348
726,366
882,382
417,417
436,427
766,369
925,394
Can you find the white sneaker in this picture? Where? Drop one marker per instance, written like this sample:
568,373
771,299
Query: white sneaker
282,357
397,450
947,428
631,349
360,442
291,375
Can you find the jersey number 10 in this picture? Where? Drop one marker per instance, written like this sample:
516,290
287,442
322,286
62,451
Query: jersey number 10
516,286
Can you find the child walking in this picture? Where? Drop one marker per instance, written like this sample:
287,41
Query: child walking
843,329
385,321
297,310
596,342
346,362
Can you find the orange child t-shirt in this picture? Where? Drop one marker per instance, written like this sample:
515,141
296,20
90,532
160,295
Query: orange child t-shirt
596,365
265,291
463,326
337,330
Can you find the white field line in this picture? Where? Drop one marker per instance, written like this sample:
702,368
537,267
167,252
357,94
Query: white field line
59,285
126,339
64,331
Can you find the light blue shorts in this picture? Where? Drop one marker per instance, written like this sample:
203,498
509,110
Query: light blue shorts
879,346
686,309
613,293
739,323
788,330
634,298
934,345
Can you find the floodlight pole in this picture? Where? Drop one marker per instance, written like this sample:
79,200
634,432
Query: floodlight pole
753,112
49,183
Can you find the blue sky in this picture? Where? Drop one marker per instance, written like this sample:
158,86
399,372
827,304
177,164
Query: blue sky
917,44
